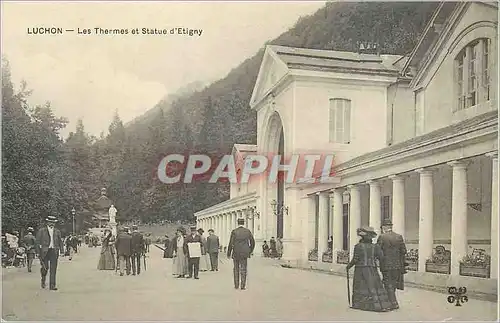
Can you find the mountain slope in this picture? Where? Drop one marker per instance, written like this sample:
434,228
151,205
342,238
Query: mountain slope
218,116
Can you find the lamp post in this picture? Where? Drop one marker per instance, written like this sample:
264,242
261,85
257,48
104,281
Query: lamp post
73,212
278,208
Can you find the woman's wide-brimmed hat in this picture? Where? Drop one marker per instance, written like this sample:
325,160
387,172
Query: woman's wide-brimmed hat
366,231
51,219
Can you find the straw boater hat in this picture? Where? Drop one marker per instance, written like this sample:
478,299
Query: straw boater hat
366,231
30,229
51,219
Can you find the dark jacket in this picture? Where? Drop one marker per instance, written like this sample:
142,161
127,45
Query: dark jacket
43,241
213,244
241,243
365,255
123,244
29,242
137,243
393,250
168,251
191,239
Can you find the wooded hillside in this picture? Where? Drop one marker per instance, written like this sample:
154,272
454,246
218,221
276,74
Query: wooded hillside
211,120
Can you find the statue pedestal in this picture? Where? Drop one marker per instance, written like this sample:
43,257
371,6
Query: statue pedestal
113,228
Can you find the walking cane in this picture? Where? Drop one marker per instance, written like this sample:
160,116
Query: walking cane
348,289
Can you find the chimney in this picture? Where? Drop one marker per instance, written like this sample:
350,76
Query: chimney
368,48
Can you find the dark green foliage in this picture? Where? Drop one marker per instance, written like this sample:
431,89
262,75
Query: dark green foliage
42,174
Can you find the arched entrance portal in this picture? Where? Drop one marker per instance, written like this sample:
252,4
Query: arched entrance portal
274,139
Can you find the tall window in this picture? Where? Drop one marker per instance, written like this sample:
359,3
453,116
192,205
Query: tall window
486,66
386,208
472,74
340,121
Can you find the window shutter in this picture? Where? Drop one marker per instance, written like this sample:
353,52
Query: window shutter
332,120
347,121
339,121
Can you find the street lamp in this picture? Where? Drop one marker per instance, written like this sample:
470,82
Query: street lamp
279,209
73,212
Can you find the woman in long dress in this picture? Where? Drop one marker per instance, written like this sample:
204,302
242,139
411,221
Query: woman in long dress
180,267
368,292
205,260
279,248
107,259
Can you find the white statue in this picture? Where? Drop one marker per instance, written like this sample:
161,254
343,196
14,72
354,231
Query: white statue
112,214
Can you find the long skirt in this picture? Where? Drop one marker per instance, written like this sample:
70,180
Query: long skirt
205,263
368,292
107,260
179,263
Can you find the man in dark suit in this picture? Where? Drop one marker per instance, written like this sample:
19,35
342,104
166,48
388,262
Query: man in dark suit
48,246
137,250
193,262
123,246
29,242
241,245
213,250
392,263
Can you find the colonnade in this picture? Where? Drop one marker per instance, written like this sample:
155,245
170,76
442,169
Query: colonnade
459,243
223,223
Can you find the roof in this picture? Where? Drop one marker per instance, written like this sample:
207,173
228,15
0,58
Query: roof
326,60
420,140
240,151
245,147
430,35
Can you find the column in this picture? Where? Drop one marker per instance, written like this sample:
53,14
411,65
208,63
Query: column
338,220
308,226
458,215
252,221
354,217
426,218
375,206
228,224
398,204
323,224
494,215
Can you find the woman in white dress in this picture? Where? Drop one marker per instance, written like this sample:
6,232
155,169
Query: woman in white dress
180,259
205,260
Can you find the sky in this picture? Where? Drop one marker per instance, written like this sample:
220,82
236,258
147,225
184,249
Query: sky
90,76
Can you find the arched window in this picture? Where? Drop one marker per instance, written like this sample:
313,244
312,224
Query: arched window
472,74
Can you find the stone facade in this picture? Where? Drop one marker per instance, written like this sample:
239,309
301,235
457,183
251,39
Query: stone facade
414,138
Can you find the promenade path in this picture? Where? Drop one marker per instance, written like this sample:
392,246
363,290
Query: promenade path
274,293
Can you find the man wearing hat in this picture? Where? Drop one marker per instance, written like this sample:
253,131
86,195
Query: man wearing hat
123,246
138,249
213,250
193,260
48,246
240,247
392,263
29,242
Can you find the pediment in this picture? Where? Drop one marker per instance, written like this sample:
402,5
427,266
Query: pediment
272,70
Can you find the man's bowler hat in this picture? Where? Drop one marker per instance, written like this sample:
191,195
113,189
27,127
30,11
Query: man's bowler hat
387,223
51,219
